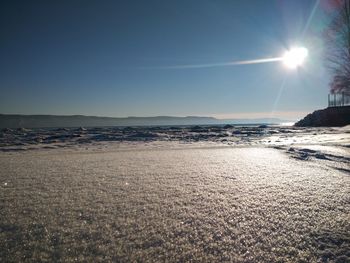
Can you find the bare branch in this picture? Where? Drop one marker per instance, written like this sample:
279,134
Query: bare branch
337,42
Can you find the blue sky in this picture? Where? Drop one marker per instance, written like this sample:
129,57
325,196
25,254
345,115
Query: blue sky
112,58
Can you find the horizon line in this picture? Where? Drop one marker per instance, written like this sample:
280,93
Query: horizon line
291,115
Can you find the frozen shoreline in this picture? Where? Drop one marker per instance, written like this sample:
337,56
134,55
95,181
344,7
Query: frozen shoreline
179,200
25,139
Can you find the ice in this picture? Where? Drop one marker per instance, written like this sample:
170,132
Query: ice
215,195
228,134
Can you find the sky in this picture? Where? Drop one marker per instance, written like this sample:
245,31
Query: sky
124,58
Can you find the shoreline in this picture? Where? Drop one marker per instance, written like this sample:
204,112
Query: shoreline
203,204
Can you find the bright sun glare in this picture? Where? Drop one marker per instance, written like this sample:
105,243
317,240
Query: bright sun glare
295,57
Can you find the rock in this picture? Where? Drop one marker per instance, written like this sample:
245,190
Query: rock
332,116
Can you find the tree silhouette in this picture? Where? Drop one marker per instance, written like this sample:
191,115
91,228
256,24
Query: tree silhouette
337,42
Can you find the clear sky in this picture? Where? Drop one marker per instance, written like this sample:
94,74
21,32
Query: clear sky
114,58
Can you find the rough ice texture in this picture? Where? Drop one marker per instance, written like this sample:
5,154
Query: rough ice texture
276,197
29,139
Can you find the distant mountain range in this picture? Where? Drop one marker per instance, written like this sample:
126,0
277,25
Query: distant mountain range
51,121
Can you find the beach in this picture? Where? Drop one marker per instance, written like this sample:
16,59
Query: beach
257,194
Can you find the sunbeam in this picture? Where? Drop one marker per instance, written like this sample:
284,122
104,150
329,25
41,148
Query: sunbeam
224,64
311,16
280,91
292,59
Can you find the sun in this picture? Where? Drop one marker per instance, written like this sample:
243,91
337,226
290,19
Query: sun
295,57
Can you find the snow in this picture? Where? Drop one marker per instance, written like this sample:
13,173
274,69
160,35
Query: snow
172,198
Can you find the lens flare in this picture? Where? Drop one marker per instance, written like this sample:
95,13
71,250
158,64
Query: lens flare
295,57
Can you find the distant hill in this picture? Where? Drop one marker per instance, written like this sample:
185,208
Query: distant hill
329,117
51,121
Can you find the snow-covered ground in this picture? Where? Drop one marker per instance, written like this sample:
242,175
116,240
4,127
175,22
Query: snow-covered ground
235,194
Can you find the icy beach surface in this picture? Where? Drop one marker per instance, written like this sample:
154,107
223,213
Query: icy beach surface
24,139
201,194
